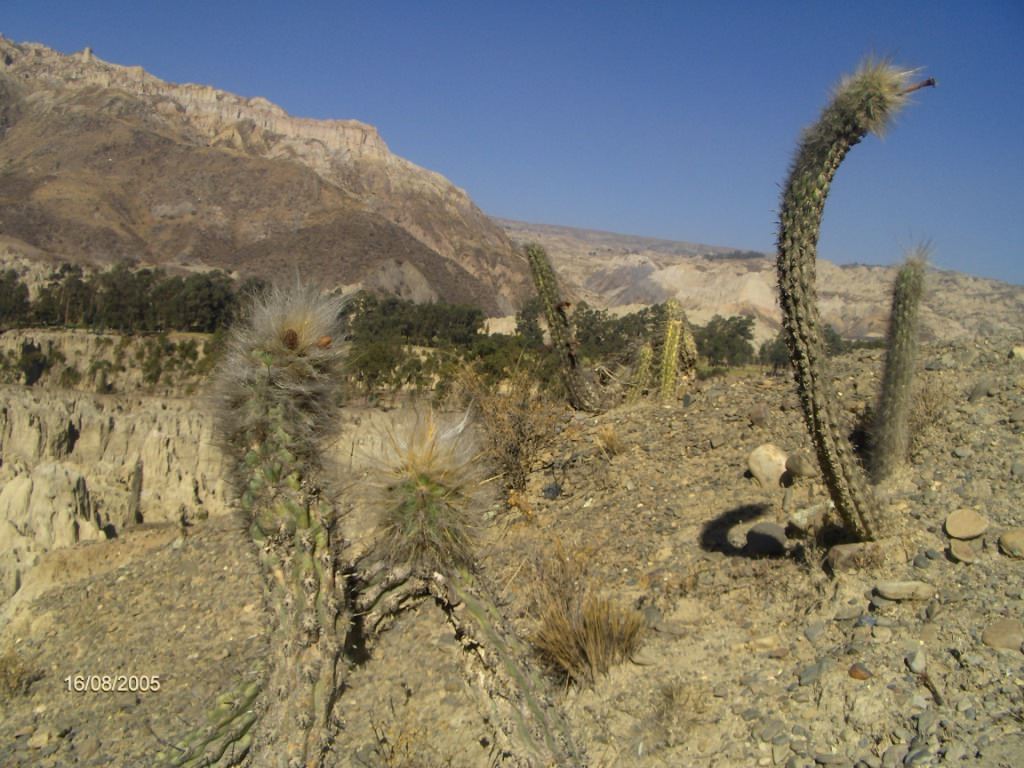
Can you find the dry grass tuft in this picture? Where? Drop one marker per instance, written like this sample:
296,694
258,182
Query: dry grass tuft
679,707
580,634
430,486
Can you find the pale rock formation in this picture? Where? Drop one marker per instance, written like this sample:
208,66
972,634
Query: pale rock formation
147,460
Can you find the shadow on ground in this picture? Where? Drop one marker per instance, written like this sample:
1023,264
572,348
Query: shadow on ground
714,536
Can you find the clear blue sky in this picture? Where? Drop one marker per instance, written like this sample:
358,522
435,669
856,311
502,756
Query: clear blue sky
668,119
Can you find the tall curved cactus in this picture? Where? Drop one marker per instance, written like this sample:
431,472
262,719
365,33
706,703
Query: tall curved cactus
276,391
582,395
863,103
890,436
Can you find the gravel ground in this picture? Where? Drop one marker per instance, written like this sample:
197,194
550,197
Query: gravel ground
755,654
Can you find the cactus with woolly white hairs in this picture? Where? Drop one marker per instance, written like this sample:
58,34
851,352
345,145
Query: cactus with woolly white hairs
431,481
581,393
890,436
276,394
862,103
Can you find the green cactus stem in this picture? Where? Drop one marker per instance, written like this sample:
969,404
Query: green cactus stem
863,103
276,391
891,436
679,350
641,378
582,395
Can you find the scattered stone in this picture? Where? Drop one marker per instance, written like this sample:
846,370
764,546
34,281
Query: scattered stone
812,672
916,661
1004,634
905,590
1011,543
881,634
42,737
921,561
922,756
867,554
1017,470
963,452
800,465
766,538
767,463
1016,353
806,519
813,632
830,758
965,524
859,672
847,612
984,388
758,415
963,551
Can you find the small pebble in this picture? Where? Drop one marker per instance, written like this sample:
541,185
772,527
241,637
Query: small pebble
916,661
859,672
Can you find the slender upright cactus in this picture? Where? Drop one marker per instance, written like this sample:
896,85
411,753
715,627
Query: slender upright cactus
863,103
641,378
581,393
679,350
276,391
890,436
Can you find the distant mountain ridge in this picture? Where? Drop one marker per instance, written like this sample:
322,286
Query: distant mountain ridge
612,270
100,162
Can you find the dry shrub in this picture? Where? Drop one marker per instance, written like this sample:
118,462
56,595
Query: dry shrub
518,419
928,412
16,677
580,634
681,706
609,441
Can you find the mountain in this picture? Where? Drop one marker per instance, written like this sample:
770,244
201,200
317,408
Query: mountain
611,270
100,162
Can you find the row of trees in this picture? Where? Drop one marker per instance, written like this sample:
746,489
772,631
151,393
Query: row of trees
123,299
394,342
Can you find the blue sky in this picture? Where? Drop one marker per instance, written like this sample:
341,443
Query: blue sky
667,119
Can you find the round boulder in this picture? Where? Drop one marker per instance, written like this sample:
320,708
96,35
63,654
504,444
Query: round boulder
767,463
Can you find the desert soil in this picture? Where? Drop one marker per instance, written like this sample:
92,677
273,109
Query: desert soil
754,654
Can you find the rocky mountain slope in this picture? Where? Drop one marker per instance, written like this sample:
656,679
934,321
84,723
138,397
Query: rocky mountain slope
100,162
611,270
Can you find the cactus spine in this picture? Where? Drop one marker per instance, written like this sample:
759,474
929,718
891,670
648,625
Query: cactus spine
276,393
891,441
581,394
863,103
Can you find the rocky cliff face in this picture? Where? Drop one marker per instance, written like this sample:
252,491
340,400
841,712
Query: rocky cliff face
77,467
101,161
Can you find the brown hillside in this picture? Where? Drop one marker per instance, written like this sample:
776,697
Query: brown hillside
101,163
